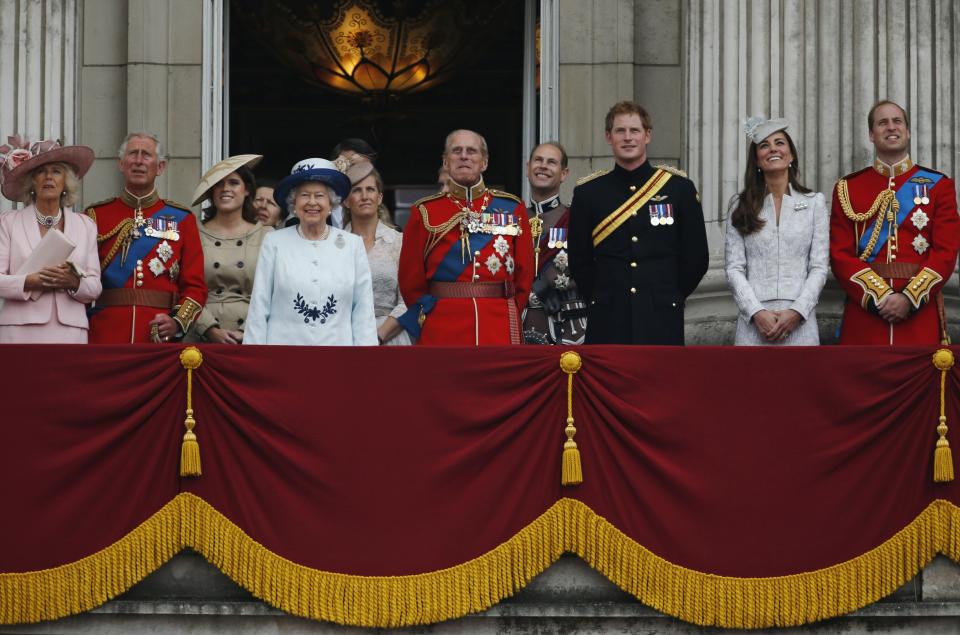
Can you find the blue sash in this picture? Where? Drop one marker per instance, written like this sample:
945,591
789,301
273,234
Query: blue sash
448,270
905,199
116,274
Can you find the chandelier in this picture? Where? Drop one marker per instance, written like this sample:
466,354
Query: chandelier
355,47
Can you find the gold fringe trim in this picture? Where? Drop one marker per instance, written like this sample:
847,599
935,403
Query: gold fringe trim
396,601
50,594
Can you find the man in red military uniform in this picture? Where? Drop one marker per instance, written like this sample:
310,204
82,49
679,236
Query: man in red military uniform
150,256
466,264
894,236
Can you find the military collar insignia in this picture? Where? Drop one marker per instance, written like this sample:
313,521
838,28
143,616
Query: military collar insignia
139,202
547,205
466,193
900,167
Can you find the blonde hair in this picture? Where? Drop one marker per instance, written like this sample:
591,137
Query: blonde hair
71,184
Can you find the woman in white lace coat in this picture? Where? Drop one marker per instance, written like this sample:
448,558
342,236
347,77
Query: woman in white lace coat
777,244
365,216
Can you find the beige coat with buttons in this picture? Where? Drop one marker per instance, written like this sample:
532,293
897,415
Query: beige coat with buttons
229,265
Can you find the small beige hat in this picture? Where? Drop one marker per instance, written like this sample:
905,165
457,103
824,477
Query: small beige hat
219,170
359,171
759,128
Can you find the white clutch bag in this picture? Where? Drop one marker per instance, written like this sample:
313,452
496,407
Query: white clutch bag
53,249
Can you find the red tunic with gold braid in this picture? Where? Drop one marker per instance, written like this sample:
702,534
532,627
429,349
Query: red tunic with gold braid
152,263
472,251
894,229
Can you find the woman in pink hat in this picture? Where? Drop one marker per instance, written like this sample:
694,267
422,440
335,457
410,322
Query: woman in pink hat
45,296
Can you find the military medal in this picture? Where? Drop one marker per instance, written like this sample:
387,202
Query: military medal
668,212
919,219
926,199
138,222
156,267
654,215
164,251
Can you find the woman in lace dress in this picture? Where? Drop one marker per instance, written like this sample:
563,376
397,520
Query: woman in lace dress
777,243
365,216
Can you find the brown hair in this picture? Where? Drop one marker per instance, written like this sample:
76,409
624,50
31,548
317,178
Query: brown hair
556,144
248,212
746,215
886,102
383,214
628,108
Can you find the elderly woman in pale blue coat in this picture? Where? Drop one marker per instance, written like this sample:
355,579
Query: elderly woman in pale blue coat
312,285
777,243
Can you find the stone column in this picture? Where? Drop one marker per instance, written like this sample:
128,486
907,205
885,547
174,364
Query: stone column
821,64
38,52
596,70
141,70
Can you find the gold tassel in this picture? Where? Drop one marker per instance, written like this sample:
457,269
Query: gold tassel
571,472
942,457
190,358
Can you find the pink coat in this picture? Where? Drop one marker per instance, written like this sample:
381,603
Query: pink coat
19,235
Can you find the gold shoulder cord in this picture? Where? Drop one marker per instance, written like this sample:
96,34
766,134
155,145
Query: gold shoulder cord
437,231
122,230
884,200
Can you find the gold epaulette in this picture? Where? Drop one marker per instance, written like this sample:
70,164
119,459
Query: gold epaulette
92,213
590,177
503,194
428,197
177,205
671,169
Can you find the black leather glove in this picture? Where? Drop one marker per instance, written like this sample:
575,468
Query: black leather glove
548,295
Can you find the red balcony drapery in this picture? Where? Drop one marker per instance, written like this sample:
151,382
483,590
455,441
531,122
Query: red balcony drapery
386,487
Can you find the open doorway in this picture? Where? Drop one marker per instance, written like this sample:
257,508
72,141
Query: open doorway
280,105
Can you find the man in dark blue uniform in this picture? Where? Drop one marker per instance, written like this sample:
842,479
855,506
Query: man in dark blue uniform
638,246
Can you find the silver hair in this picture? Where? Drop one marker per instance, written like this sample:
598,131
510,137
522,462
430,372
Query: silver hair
143,135
483,142
292,196
71,185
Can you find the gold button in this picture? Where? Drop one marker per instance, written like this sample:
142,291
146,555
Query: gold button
633,238
634,213
139,283
633,264
633,289
633,188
